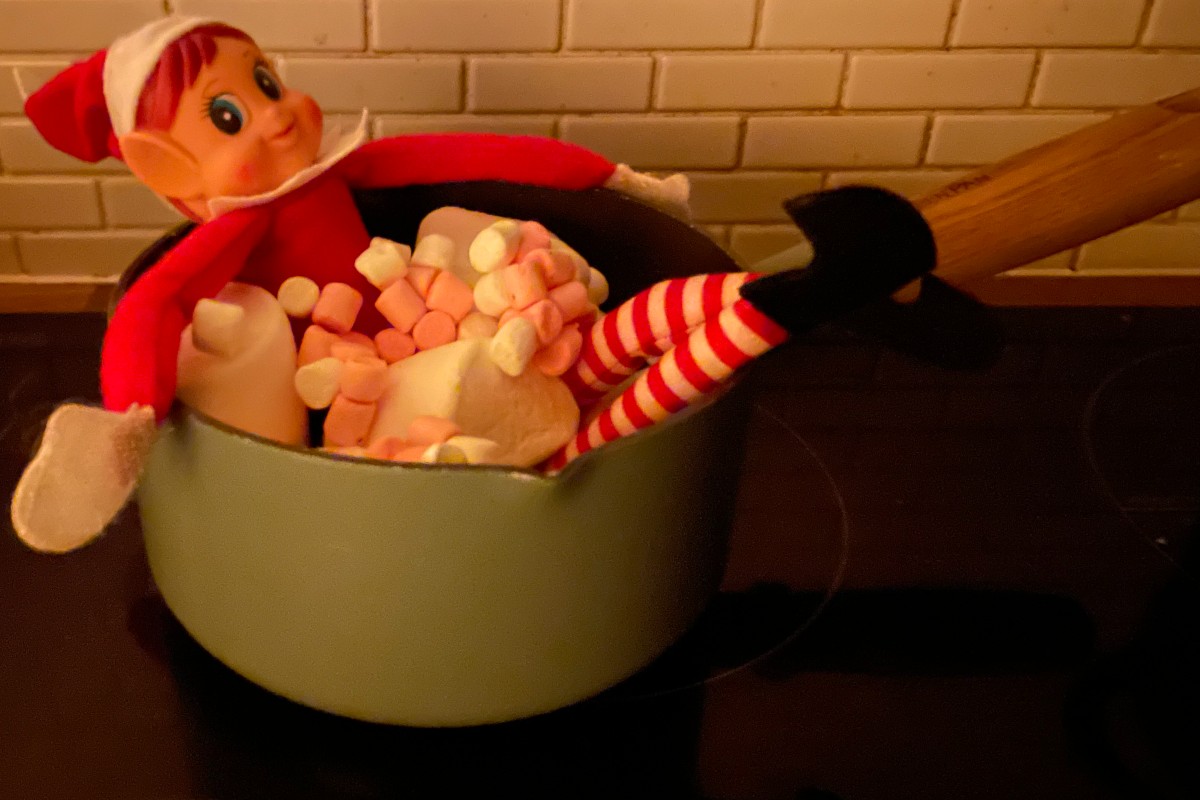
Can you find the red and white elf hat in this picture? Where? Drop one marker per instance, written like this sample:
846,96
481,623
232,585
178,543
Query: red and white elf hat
84,109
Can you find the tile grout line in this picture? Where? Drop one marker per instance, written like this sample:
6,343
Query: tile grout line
1139,36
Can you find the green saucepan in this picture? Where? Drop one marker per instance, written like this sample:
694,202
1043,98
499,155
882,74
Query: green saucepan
435,595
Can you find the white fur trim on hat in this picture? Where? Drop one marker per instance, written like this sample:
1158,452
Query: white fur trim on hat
132,58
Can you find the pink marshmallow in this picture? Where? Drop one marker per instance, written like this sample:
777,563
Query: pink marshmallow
410,452
546,318
337,307
572,300
315,345
508,314
426,430
364,379
356,337
394,345
348,421
401,305
451,294
353,347
557,357
350,450
385,448
556,268
421,278
525,283
434,329
534,236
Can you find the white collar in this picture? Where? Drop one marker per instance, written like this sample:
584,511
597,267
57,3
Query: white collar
334,147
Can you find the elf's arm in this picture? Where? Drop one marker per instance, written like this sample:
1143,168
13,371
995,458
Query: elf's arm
141,344
90,459
532,160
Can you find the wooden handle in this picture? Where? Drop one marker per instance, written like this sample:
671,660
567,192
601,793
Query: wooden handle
1068,191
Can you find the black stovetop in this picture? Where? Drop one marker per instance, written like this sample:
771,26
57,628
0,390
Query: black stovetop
941,585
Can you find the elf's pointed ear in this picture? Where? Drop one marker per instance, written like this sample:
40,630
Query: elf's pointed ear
162,164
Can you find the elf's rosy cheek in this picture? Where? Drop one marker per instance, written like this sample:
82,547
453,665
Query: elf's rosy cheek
245,175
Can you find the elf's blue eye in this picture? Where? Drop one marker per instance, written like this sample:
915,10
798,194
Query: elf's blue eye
226,114
267,82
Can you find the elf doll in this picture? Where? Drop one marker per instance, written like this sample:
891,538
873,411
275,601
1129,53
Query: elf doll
198,114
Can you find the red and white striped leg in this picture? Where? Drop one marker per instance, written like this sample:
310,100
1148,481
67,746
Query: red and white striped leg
698,365
645,326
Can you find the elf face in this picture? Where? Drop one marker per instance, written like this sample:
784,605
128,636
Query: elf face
245,130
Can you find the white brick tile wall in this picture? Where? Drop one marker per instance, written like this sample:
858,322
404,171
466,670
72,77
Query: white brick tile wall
836,141
1092,80
91,253
24,152
938,80
46,203
757,100
39,26
750,244
747,196
288,24
11,101
1059,262
854,23
382,85
465,25
30,75
718,233
1150,247
674,24
18,78
1053,23
981,139
756,81
659,142
583,83
129,204
465,123
1173,23
10,264
908,183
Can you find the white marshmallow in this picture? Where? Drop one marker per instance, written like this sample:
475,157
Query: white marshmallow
298,295
478,325
461,226
383,262
474,449
528,417
434,250
217,327
492,295
495,246
513,346
317,382
252,390
433,454
597,286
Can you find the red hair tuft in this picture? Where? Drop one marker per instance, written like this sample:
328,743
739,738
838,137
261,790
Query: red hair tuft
176,70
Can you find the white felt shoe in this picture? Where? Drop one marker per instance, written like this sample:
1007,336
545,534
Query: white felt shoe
87,466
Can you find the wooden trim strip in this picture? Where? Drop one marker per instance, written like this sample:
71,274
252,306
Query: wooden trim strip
1179,289
1176,289
40,296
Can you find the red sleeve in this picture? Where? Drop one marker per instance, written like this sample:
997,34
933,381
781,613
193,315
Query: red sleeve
449,157
141,345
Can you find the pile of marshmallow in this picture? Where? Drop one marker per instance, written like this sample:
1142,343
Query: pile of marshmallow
480,305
